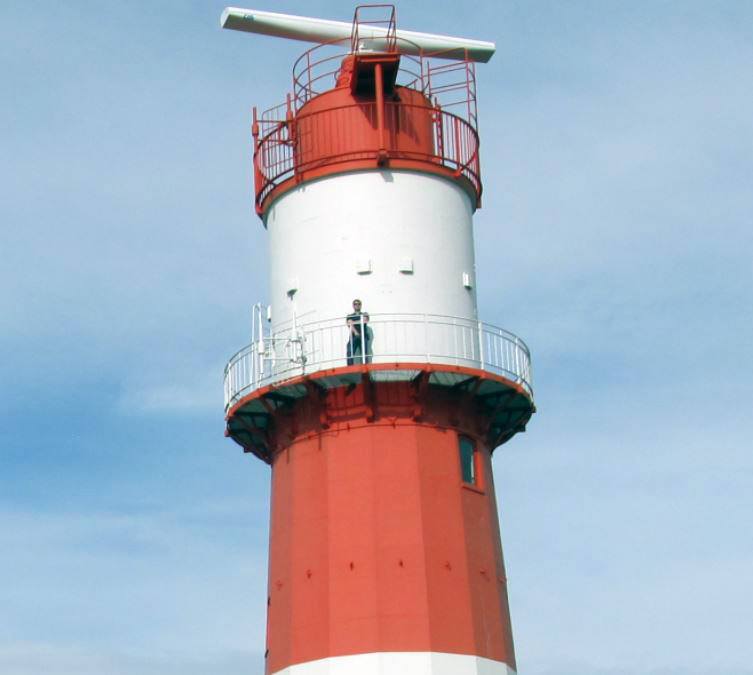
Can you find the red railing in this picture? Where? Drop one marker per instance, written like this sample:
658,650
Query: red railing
291,147
376,16
453,84
317,69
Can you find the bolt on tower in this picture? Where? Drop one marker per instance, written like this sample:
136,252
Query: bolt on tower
378,420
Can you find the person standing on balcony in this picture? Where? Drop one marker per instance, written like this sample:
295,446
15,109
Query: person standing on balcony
359,336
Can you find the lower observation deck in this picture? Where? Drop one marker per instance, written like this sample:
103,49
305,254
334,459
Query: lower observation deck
483,364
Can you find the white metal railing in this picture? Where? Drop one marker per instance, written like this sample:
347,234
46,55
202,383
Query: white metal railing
390,338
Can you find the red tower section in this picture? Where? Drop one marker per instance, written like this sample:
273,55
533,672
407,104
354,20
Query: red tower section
384,530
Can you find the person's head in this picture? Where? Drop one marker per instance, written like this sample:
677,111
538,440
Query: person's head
357,305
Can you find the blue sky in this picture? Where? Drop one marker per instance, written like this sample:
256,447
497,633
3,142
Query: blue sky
615,238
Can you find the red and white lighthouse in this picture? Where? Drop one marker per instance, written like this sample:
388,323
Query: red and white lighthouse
379,421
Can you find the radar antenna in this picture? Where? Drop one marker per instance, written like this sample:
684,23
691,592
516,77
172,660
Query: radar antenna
309,29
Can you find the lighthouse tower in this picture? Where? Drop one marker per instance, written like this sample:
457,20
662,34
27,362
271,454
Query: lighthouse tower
378,420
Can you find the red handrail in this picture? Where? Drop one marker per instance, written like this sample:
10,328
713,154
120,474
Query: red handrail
282,152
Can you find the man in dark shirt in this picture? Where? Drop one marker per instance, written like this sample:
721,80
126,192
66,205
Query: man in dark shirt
358,335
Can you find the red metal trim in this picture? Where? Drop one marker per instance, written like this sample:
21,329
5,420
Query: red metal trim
319,401
348,166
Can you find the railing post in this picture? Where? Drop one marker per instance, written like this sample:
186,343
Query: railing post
307,91
292,146
458,169
455,340
288,109
467,85
481,344
439,121
258,155
304,358
354,32
500,351
363,339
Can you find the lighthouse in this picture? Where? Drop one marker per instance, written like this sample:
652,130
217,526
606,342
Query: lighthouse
372,387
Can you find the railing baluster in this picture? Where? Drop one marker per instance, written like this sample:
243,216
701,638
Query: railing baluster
363,339
455,341
481,344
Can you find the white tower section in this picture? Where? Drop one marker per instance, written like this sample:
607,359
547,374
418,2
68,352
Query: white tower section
367,178
401,241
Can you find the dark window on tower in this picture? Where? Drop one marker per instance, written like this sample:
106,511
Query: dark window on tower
467,460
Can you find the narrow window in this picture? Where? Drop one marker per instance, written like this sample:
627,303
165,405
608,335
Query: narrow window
468,460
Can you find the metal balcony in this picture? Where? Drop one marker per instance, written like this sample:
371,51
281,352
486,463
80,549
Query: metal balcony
311,347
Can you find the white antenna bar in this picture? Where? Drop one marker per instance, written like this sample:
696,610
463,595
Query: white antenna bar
320,30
